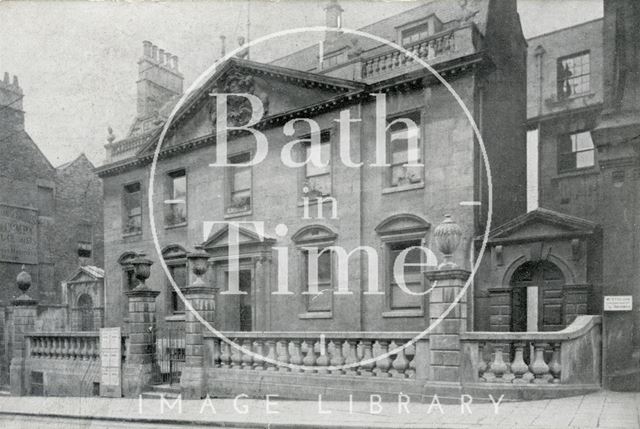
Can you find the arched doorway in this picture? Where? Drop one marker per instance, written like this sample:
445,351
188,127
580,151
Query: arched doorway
85,313
537,297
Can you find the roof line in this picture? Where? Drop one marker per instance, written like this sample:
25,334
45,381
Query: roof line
566,28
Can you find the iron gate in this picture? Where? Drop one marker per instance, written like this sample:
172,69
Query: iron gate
169,353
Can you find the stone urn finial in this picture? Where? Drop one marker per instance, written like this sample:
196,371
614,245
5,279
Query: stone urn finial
198,262
142,269
23,281
448,236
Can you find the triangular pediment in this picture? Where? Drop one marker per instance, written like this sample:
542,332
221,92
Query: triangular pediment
86,273
542,224
281,91
221,238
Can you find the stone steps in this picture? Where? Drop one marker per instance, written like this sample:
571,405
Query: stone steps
156,392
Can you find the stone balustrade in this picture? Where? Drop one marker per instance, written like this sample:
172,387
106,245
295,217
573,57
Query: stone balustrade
125,148
64,345
461,41
321,352
570,356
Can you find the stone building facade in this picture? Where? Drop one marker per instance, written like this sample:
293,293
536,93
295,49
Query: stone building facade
50,220
477,46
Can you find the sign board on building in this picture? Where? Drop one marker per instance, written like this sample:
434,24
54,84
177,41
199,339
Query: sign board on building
618,303
111,362
18,234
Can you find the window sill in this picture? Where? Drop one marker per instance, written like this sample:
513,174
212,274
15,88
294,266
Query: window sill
131,234
404,313
175,226
238,214
316,315
586,171
411,187
555,101
314,201
177,317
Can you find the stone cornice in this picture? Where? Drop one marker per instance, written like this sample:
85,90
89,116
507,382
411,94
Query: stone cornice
448,274
415,79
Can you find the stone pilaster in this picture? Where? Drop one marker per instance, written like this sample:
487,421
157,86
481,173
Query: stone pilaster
138,368
444,341
192,380
25,312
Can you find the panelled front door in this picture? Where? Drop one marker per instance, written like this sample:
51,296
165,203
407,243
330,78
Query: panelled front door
239,309
537,297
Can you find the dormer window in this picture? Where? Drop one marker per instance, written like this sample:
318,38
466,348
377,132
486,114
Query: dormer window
415,34
333,60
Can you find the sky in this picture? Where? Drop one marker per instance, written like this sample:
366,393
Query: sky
77,61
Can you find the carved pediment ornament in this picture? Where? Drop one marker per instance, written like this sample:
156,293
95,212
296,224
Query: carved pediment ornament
238,108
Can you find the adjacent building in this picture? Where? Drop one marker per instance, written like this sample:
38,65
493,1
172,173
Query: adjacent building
50,219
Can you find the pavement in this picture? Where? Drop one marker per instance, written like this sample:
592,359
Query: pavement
599,410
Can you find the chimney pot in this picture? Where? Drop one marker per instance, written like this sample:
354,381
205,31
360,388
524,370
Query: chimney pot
6,78
333,14
15,82
146,48
223,47
175,62
154,52
161,55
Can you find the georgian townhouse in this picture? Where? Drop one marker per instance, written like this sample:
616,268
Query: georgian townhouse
477,46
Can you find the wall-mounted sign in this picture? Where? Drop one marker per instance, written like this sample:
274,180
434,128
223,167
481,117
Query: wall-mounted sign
18,235
618,303
111,362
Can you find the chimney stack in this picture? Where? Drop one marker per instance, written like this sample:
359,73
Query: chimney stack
159,79
11,113
333,18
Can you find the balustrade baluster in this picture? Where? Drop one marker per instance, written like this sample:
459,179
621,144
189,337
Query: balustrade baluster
498,365
555,367
247,359
65,349
258,361
92,348
225,355
411,370
538,366
283,355
383,364
352,356
431,49
367,354
518,367
310,359
400,363
236,356
271,354
215,356
296,355
75,346
482,363
59,348
337,358
323,360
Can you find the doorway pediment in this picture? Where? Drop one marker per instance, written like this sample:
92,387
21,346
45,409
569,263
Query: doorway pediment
541,224
218,242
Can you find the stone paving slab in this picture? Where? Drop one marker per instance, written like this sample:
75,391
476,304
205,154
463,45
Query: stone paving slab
598,410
